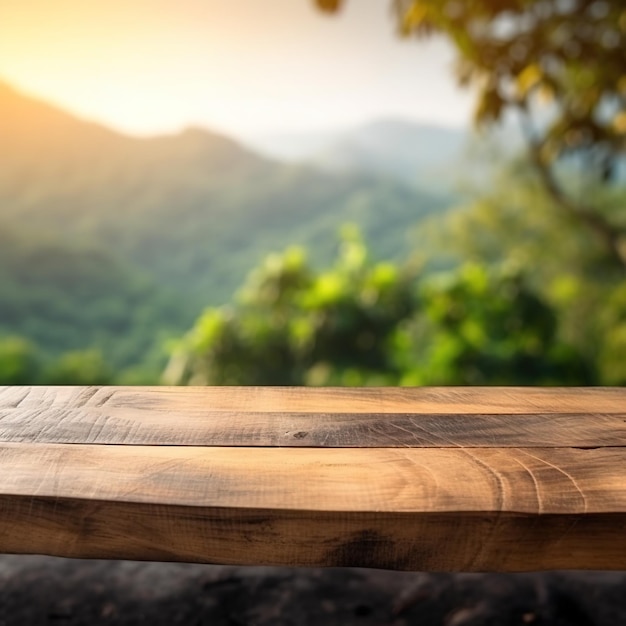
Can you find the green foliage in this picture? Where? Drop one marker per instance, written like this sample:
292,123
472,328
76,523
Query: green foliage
77,299
81,367
485,326
514,221
364,323
292,325
19,361
612,338
513,226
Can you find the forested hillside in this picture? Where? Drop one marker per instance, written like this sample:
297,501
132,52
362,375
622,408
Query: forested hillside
195,210
69,299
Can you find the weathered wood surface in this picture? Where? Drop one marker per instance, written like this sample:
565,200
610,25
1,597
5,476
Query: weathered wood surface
269,416
468,479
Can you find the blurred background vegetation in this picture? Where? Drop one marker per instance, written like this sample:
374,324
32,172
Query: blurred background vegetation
402,255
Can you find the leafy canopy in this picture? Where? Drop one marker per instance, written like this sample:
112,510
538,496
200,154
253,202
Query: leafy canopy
364,323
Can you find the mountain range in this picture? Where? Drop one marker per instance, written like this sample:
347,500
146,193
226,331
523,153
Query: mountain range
185,215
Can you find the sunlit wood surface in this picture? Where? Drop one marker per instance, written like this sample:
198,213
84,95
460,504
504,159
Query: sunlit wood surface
439,479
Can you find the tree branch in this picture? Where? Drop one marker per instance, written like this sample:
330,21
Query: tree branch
611,236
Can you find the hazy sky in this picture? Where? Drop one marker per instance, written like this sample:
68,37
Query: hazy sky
242,66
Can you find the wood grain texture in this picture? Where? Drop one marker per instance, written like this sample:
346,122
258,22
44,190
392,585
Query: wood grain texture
413,480
464,400
470,542
193,427
177,416
447,479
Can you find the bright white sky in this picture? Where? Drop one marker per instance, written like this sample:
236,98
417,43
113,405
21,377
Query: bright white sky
240,66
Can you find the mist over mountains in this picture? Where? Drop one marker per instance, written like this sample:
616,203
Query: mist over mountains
418,154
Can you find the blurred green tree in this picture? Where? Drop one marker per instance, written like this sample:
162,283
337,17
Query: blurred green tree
79,367
19,361
512,226
612,340
294,326
364,323
561,66
483,326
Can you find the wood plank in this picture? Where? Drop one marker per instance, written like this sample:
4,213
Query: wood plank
463,400
194,427
416,509
468,542
411,480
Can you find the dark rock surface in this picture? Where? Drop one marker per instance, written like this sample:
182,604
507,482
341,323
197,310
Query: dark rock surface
36,590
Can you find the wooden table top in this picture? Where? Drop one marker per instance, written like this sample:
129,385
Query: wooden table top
439,479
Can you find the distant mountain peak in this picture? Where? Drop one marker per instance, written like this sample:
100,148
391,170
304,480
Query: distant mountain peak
31,127
195,131
201,135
